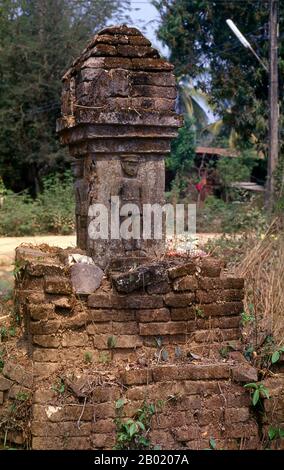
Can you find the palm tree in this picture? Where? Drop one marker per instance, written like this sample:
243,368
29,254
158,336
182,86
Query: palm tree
193,103
196,104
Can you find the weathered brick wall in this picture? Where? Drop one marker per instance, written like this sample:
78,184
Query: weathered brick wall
162,342
16,398
192,306
194,410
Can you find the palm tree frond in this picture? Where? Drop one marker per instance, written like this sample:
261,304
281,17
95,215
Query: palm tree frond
215,128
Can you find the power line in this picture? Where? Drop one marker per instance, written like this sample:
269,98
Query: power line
232,2
212,1
217,46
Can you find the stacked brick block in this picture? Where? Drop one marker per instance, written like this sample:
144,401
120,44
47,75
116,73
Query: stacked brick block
200,309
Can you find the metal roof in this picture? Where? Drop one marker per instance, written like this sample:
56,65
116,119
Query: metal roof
218,151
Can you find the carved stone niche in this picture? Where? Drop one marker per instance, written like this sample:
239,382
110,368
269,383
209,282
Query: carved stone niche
118,119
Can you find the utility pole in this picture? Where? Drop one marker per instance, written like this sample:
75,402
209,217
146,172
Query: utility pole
273,102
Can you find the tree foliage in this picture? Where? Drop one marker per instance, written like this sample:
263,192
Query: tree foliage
181,159
182,149
231,170
38,41
204,48
53,211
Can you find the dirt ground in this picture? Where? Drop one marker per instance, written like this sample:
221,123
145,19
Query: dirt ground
8,244
7,254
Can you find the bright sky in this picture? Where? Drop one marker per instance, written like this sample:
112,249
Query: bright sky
145,17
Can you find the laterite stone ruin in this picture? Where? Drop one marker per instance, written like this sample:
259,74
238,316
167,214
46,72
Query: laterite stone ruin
118,119
115,319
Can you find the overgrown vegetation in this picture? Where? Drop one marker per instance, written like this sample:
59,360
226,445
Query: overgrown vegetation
258,392
233,217
38,42
1,360
16,419
88,357
275,433
51,212
233,87
262,266
201,44
181,159
59,386
257,255
210,183
231,170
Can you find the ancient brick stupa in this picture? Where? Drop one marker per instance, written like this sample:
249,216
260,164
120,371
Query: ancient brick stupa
118,119
161,334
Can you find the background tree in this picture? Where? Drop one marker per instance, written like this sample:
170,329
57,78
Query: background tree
203,48
181,159
193,104
38,40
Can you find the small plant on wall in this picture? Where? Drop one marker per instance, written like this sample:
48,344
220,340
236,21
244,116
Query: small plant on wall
132,433
275,433
276,355
59,386
111,344
88,357
258,392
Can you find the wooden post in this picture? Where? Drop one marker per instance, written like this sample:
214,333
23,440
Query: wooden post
273,103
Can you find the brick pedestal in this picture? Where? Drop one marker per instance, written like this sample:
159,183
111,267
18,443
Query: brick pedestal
172,342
